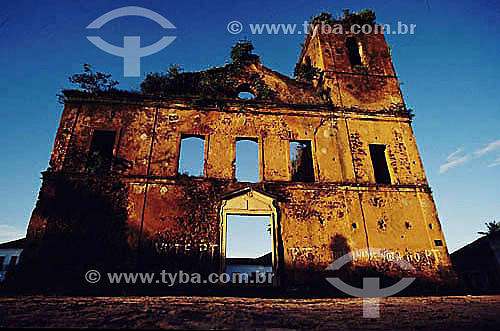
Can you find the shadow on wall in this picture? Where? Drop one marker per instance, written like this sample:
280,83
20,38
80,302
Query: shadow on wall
309,278
86,229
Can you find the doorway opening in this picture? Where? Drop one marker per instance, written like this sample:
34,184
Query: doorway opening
249,246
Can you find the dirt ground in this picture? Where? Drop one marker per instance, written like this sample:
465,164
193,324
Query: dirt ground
434,313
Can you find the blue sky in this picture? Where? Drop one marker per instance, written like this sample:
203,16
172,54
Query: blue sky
449,69
240,244
191,156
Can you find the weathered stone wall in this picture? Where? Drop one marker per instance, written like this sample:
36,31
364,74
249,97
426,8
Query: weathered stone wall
342,211
372,86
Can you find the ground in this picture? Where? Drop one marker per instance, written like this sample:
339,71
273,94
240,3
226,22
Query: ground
434,313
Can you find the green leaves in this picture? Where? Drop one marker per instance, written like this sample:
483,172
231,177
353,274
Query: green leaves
306,71
213,83
160,83
90,81
366,16
241,52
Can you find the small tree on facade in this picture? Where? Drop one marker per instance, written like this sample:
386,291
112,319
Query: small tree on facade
92,81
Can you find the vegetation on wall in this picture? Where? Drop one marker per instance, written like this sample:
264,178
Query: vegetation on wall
159,82
365,16
399,108
264,92
241,52
324,95
306,71
93,81
215,82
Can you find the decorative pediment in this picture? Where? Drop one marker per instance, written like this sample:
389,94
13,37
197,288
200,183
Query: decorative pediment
248,200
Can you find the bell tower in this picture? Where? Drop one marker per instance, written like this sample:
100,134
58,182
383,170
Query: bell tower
348,61
357,67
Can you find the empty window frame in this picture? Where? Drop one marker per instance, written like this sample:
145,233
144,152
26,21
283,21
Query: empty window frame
100,155
353,51
301,161
246,96
247,160
244,92
192,155
379,162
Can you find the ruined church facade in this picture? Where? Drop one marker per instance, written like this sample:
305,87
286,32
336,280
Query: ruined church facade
359,182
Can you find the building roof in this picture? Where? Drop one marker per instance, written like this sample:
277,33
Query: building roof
476,243
478,255
19,243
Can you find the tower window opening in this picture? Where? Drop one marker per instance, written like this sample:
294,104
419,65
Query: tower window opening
353,52
379,162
